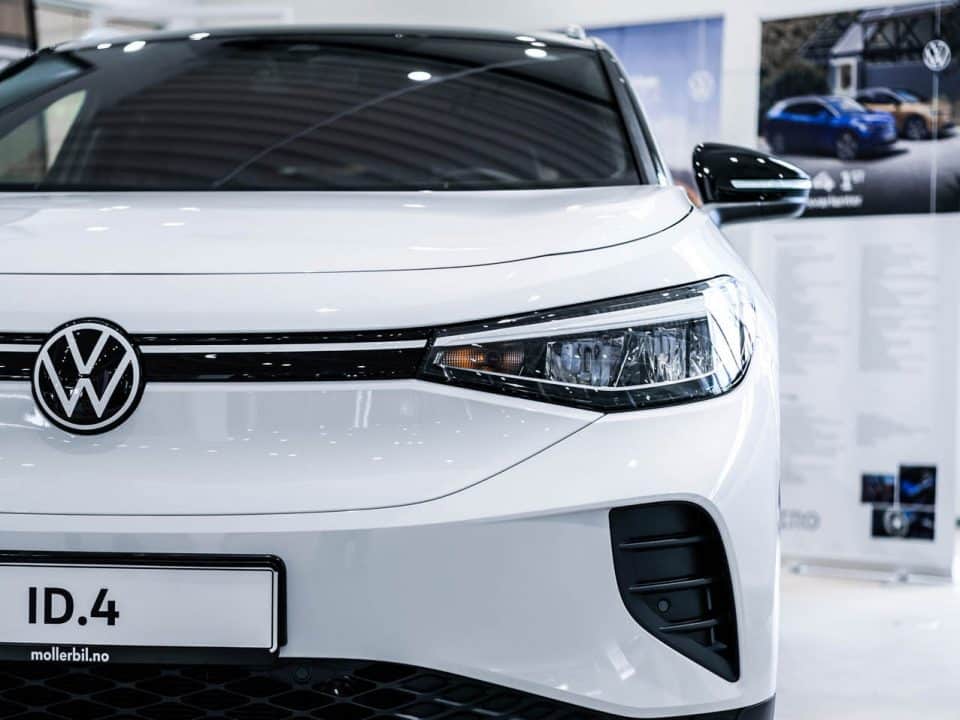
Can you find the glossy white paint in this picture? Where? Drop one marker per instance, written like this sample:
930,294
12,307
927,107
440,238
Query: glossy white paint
686,252
295,232
498,567
511,580
243,448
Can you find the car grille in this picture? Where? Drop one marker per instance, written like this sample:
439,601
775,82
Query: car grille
237,357
322,689
673,577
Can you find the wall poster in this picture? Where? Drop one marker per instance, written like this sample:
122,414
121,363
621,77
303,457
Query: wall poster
866,102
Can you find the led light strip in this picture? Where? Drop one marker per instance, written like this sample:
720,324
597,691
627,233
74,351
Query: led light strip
669,311
773,184
592,388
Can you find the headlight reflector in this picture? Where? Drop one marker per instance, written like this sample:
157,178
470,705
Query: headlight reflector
647,350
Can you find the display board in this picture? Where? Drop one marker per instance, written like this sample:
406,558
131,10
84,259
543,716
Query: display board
867,313
866,102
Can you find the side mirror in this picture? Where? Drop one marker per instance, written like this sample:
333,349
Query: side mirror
739,185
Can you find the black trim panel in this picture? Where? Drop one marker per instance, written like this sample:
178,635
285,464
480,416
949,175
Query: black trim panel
23,338
247,338
286,338
16,365
132,654
387,364
648,163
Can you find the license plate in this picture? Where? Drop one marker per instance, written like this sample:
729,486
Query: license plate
105,608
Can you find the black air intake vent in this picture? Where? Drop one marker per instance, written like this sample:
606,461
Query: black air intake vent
674,579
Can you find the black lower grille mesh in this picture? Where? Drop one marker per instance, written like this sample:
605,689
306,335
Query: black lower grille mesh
321,689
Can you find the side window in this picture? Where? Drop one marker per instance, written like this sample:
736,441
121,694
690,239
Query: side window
30,150
36,74
805,109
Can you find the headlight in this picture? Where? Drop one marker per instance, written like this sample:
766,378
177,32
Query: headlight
860,125
657,348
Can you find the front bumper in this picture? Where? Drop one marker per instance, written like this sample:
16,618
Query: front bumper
511,581
878,139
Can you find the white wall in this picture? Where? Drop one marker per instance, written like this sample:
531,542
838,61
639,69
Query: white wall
64,20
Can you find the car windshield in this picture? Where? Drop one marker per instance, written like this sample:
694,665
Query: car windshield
910,97
847,105
319,112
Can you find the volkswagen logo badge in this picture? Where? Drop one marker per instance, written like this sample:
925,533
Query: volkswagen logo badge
936,55
87,377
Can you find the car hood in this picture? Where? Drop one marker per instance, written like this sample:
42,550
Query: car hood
875,118
286,232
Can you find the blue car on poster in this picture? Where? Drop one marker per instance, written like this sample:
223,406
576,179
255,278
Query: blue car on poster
835,125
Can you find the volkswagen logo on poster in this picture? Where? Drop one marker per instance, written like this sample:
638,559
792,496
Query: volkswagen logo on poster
937,55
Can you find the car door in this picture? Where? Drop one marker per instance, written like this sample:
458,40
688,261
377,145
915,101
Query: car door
825,126
790,126
806,121
880,101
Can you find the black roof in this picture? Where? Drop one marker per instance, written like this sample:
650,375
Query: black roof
551,38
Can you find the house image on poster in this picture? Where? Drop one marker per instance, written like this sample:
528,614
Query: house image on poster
883,47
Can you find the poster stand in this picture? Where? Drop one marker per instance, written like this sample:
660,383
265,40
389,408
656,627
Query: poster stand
863,574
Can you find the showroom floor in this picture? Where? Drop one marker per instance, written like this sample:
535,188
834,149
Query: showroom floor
857,650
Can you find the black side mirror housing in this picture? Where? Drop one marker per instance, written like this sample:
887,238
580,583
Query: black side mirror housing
739,185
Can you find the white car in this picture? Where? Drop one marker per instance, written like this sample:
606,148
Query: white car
354,373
